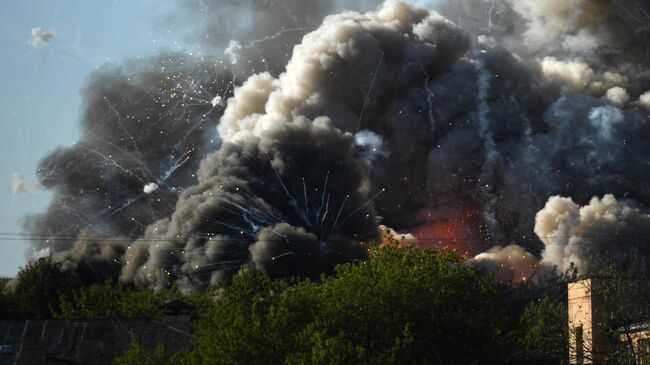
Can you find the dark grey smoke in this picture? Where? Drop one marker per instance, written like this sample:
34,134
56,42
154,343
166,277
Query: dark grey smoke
148,121
251,205
291,190
396,117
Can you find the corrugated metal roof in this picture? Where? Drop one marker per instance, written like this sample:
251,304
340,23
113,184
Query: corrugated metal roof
82,342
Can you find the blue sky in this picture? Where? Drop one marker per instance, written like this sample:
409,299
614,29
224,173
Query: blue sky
39,88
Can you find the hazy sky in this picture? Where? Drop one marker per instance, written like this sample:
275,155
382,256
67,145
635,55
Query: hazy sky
39,87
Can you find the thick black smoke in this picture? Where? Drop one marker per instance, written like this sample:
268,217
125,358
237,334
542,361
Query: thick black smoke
396,117
251,205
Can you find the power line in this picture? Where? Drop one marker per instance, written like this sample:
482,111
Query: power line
44,236
217,238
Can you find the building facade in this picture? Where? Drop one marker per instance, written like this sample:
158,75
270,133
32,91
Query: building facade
588,341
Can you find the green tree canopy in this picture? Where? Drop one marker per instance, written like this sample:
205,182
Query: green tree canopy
114,299
38,288
542,334
404,305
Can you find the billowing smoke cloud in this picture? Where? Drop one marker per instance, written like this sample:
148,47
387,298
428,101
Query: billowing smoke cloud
602,231
290,189
40,37
588,237
249,205
92,259
397,117
603,28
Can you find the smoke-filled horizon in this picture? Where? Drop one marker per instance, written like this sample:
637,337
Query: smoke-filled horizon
500,129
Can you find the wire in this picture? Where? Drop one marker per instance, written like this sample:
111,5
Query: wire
215,238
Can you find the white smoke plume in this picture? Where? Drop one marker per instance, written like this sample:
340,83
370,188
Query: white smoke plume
511,264
644,100
150,188
40,37
371,144
589,237
618,96
576,74
21,186
605,230
569,25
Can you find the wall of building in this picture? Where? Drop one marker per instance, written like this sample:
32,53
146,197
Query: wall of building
586,340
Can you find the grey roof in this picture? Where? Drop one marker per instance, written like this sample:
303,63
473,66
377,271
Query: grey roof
83,341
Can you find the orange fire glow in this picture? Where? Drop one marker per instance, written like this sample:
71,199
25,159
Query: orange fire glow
453,233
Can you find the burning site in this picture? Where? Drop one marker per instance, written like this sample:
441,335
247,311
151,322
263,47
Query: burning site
528,129
288,137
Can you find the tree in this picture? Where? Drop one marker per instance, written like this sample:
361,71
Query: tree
404,305
407,305
38,288
240,327
539,311
136,354
542,333
6,306
112,299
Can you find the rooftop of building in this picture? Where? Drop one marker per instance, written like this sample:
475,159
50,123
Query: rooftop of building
97,341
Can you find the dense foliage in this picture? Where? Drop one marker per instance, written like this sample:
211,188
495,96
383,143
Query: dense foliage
35,292
137,354
404,305
113,300
542,333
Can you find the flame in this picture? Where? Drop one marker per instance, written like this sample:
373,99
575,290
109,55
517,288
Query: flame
454,233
